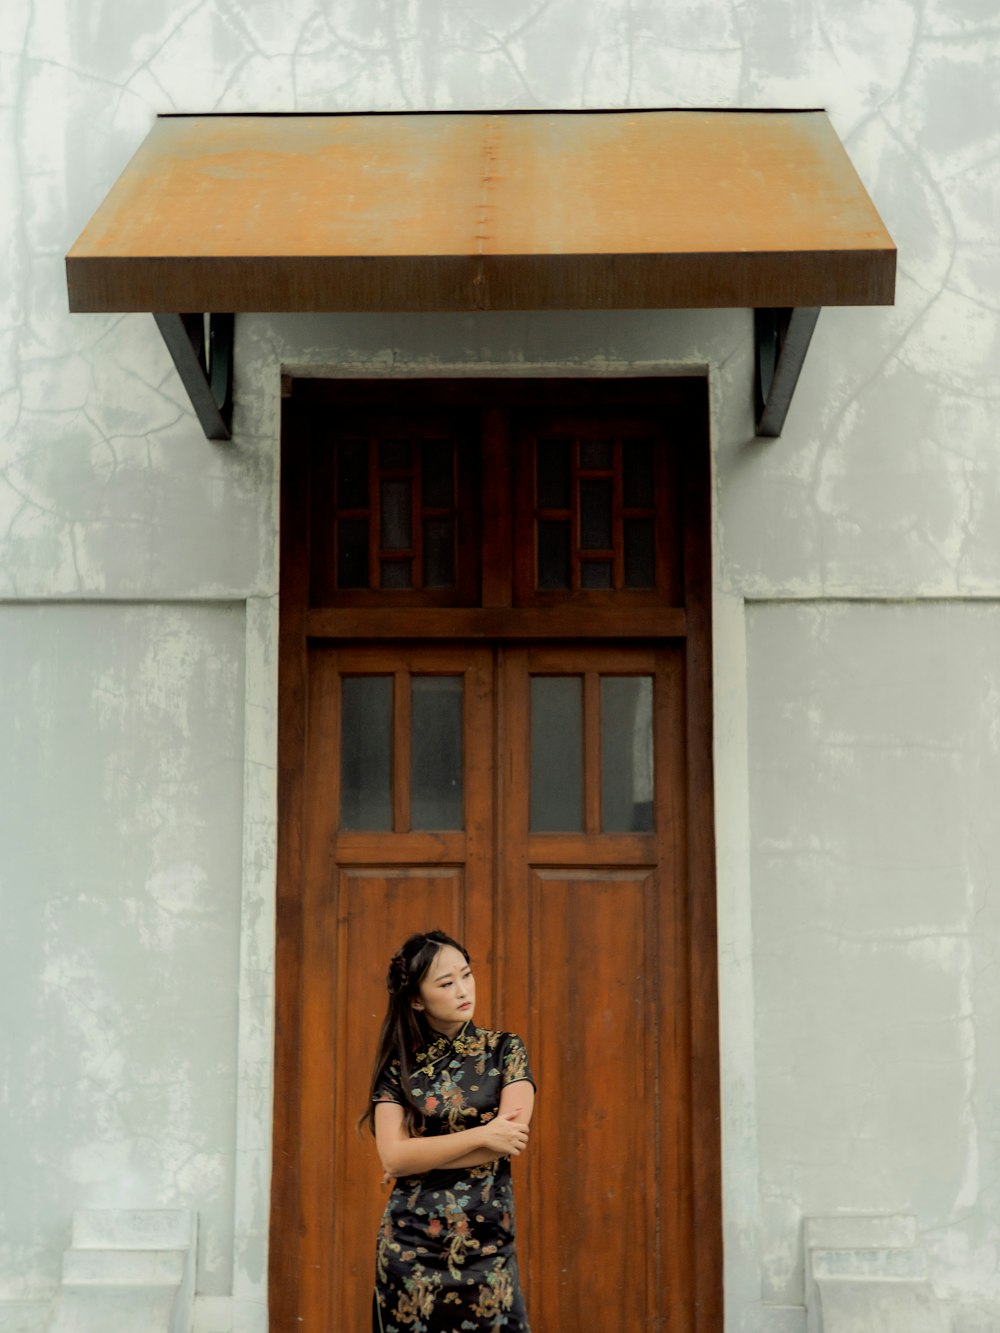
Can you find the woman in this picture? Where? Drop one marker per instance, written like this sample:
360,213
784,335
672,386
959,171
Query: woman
450,1105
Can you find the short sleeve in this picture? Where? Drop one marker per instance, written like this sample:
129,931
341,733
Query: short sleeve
388,1088
514,1067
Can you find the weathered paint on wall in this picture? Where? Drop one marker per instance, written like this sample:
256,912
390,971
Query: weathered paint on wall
120,823
875,762
885,485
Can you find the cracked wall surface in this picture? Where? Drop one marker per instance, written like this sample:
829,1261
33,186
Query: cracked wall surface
855,761
120,817
875,763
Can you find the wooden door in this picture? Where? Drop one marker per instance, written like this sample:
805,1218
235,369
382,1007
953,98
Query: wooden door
591,968
556,660
560,866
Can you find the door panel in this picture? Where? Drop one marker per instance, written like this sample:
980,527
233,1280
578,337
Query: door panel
601,993
590,1265
365,891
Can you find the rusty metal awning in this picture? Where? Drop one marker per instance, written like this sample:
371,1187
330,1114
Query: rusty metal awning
479,211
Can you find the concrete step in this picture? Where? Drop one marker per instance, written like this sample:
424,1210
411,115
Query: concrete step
133,1229
848,1231
129,1271
145,1267
873,1305
876,1262
868,1274
114,1309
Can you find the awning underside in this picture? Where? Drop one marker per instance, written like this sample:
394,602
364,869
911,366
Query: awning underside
477,211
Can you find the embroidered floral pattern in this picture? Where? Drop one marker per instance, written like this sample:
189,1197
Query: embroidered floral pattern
445,1260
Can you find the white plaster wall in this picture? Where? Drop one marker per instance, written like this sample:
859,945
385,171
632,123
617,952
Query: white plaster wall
121,733
884,486
875,766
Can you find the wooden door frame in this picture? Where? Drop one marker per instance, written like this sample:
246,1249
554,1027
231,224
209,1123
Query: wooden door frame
689,399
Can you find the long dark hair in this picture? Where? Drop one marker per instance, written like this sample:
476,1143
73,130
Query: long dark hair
404,1029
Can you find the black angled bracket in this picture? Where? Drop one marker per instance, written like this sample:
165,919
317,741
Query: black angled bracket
205,365
781,340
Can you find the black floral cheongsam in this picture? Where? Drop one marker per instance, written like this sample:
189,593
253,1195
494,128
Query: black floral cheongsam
445,1261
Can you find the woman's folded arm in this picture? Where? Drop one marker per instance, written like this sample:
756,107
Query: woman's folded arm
405,1155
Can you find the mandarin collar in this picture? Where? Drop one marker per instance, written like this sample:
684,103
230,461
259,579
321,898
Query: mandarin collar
440,1044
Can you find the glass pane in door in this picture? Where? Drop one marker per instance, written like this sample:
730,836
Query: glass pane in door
436,752
626,754
366,753
556,754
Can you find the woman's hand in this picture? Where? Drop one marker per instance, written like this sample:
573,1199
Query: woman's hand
505,1135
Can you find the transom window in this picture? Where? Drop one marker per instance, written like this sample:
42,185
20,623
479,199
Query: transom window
389,507
597,510
537,507
594,513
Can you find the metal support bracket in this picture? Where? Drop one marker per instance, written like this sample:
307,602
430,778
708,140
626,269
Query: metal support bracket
781,340
204,365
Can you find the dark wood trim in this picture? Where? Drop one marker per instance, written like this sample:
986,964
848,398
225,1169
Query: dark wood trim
556,622
706,1136
402,849
623,849
283,1253
579,395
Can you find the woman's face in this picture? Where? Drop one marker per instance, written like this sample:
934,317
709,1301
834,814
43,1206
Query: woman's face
447,994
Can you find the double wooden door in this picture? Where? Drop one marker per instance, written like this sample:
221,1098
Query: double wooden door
529,801
495,718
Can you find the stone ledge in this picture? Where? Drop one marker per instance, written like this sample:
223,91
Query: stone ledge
133,1229
868,1274
910,1263
126,1267
114,1309
860,1231
873,1305
128,1270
